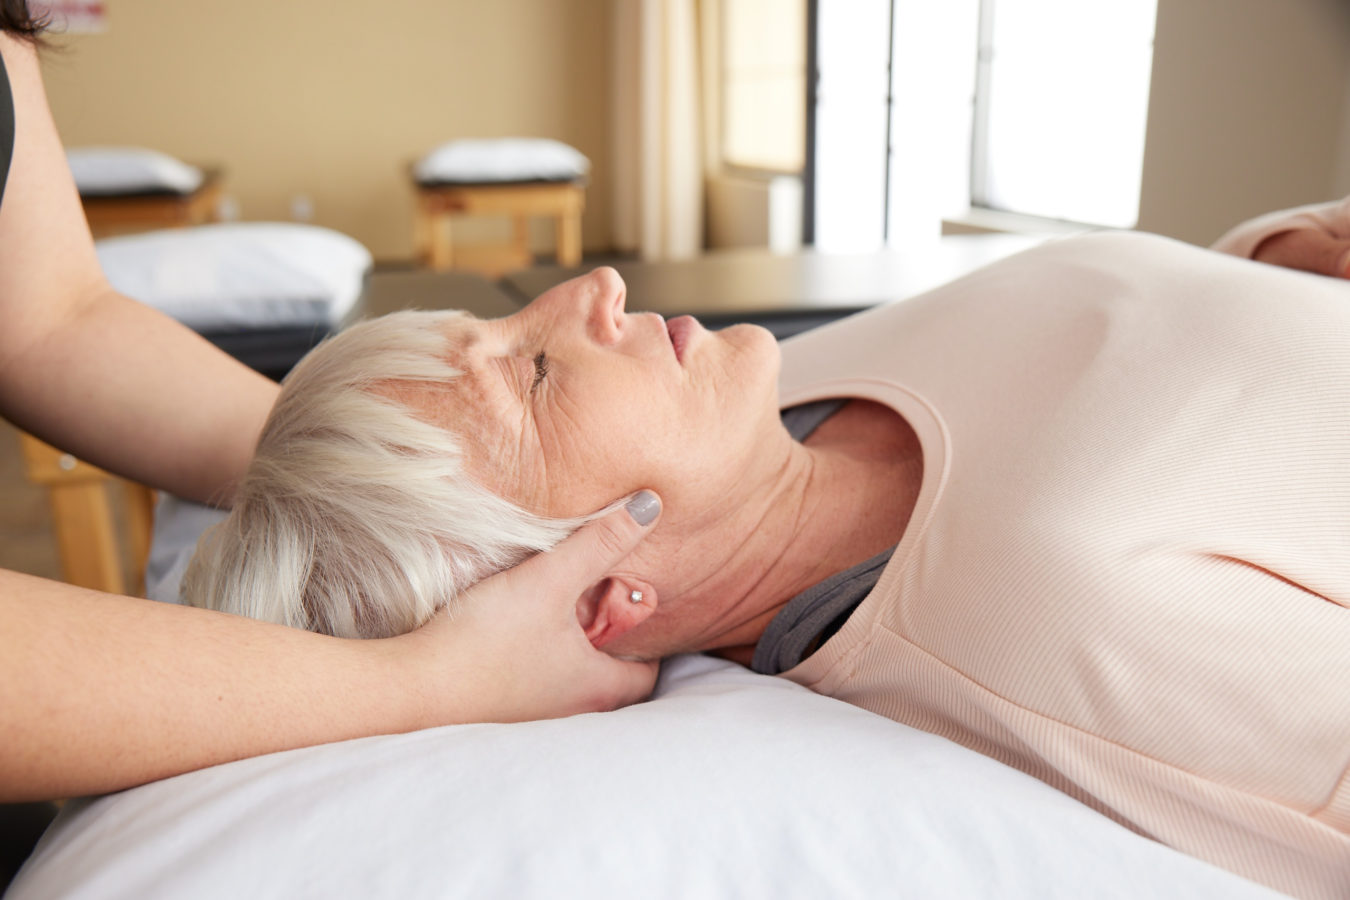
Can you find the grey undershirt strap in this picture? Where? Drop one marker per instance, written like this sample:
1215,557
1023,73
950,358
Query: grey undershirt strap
806,622
817,612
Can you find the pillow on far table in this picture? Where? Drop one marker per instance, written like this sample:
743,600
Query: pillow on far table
239,277
478,161
110,171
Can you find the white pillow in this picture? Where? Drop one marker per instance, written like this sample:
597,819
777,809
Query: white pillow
130,170
477,161
729,784
240,276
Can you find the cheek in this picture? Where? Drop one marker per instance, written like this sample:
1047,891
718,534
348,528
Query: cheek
612,450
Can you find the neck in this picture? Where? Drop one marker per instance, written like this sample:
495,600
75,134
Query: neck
829,504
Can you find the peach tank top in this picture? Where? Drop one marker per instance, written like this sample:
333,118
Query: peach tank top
1129,570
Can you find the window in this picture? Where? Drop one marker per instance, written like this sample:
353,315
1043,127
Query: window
763,83
926,109
1061,101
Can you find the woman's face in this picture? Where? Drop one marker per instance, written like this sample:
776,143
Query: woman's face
572,402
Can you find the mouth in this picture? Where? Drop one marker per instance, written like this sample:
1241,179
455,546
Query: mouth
681,331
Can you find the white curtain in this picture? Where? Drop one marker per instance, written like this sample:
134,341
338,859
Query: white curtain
657,110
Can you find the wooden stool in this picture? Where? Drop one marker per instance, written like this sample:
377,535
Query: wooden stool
562,201
86,534
110,214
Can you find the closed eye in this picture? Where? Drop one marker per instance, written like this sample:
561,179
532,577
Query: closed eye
540,369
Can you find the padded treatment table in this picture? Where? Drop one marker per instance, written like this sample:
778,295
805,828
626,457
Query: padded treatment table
143,210
786,293
520,178
273,351
392,291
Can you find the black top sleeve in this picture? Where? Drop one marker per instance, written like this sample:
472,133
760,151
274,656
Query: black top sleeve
6,128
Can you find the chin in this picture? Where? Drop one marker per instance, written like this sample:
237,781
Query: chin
761,357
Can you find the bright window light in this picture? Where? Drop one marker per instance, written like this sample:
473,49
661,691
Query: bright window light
1061,105
852,52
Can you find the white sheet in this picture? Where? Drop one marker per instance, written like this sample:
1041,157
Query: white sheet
240,276
726,784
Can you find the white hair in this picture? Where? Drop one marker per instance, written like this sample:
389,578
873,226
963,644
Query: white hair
357,518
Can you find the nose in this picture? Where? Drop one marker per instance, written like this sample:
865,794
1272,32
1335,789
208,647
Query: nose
602,296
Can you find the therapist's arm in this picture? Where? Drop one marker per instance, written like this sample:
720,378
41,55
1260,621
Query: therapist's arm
88,370
100,693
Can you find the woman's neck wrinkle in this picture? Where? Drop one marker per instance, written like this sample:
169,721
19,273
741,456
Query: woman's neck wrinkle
755,569
843,509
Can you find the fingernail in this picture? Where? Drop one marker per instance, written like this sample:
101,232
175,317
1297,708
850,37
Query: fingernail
644,507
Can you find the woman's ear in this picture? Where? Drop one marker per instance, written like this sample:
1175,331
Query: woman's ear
613,607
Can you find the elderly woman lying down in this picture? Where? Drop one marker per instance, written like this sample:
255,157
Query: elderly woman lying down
1086,511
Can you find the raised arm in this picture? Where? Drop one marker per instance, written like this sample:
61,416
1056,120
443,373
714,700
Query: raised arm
87,369
1314,238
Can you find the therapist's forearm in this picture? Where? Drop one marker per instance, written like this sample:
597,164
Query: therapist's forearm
100,693
133,391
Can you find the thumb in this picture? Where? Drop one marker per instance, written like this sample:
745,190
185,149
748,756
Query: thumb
594,550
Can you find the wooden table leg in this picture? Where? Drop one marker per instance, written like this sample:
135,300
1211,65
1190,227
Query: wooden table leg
569,239
422,233
520,239
442,250
140,502
82,519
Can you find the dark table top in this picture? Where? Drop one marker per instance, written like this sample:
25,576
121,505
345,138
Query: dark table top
740,282
786,293
388,292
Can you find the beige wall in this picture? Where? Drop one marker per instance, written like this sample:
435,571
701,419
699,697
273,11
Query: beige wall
1250,107
1249,112
330,98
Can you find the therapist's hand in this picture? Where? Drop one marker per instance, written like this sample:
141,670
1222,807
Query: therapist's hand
1309,250
515,647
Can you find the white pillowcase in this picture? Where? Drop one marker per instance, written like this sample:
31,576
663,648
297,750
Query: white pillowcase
477,161
242,276
130,170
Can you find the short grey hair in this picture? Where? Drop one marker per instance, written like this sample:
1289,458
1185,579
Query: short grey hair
356,517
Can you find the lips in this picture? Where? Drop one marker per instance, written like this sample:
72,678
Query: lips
681,331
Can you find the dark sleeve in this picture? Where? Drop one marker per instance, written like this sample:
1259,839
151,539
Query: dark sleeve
6,128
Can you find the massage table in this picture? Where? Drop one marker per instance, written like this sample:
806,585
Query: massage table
786,293
126,189
519,178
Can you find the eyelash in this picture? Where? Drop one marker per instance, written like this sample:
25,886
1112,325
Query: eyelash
540,369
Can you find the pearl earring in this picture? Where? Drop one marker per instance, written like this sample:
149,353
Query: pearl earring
635,596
